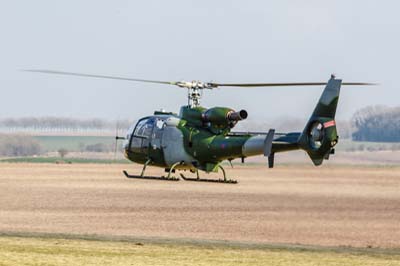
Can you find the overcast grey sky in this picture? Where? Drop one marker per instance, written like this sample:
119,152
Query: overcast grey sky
223,41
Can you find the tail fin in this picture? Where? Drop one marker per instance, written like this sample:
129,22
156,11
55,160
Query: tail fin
320,134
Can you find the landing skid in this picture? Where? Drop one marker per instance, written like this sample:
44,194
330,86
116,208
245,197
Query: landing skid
169,177
198,179
227,181
150,177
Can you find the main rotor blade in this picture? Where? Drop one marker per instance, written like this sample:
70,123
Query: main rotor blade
197,84
97,76
283,84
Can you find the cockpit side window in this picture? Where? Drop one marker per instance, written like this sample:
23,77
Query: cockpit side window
130,132
147,133
141,135
144,128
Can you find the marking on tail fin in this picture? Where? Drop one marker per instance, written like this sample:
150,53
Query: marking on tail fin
329,124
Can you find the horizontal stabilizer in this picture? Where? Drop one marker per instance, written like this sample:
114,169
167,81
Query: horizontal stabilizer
268,142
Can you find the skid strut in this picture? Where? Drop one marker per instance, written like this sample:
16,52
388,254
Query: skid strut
198,179
169,177
142,176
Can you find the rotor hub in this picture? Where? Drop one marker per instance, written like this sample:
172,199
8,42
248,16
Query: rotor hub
195,91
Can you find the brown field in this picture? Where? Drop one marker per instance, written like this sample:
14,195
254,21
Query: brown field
331,206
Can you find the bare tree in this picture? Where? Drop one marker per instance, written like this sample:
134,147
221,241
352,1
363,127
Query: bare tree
17,145
377,123
62,152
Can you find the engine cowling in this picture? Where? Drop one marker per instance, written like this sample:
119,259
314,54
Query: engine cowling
221,117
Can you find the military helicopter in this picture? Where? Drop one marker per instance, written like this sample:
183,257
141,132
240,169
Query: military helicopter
200,139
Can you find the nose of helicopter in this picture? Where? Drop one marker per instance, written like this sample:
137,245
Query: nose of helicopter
125,147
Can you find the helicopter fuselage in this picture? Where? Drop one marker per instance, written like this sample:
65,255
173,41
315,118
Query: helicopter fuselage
198,138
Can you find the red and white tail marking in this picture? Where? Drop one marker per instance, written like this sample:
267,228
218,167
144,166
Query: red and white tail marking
329,124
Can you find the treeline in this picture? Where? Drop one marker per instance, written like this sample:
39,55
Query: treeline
372,123
377,123
16,145
60,124
12,145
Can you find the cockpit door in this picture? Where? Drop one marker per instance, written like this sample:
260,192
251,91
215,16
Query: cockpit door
145,139
156,151
141,137
157,133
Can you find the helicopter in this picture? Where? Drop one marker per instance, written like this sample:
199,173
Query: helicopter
200,139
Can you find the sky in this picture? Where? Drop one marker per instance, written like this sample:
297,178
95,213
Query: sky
221,41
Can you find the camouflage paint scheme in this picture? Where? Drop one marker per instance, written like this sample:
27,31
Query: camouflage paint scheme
200,138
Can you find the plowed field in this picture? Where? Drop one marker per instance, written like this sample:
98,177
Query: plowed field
328,206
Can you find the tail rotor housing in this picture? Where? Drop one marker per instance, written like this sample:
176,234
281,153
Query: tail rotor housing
320,134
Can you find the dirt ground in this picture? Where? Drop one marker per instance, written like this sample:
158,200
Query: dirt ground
331,205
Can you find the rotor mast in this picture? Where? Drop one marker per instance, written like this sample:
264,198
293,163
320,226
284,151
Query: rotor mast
195,91
194,96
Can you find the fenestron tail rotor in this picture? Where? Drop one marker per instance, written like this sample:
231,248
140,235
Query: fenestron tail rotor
195,87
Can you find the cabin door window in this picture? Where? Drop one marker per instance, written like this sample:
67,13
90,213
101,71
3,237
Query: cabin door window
141,136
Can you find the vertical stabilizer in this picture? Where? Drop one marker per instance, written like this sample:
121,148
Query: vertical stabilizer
320,134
